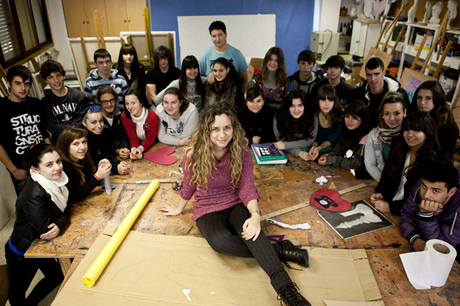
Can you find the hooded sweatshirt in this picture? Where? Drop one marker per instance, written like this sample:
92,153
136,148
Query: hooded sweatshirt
445,226
372,101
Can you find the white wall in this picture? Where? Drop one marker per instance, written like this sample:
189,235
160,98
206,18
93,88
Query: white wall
7,196
59,32
330,11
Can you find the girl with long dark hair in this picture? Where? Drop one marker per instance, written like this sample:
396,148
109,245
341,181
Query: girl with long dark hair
72,146
129,67
358,123
329,112
430,97
226,87
294,125
41,212
416,146
191,85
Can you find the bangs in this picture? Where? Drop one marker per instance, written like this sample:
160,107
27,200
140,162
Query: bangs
128,50
413,125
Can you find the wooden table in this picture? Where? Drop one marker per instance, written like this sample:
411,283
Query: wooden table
280,186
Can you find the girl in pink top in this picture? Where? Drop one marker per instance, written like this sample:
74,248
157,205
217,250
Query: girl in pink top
218,172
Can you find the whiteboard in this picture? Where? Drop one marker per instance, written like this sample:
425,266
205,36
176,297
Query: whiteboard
253,35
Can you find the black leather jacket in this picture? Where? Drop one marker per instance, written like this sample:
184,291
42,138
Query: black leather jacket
34,212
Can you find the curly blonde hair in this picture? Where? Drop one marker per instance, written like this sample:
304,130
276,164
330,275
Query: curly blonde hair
200,160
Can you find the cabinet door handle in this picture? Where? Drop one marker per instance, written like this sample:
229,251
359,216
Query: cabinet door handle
125,21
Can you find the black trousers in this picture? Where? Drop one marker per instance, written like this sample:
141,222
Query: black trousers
22,272
223,230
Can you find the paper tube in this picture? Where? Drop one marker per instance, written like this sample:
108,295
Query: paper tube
430,267
106,254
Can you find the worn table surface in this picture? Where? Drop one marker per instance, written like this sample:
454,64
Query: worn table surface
280,186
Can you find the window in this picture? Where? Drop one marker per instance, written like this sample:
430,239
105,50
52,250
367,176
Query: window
24,29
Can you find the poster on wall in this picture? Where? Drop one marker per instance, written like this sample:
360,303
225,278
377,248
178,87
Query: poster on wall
360,219
253,35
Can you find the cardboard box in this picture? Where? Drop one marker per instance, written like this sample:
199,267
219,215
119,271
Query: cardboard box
418,41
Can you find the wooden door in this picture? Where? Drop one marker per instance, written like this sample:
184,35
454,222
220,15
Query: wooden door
135,12
117,20
99,6
75,18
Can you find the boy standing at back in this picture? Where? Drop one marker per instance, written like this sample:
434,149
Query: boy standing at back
221,48
61,102
21,123
433,207
104,74
334,67
305,78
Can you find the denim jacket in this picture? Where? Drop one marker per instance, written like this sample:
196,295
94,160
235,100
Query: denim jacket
373,154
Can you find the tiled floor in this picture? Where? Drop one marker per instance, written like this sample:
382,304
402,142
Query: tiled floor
4,235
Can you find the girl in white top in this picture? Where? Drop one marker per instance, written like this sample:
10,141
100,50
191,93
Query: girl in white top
392,111
178,118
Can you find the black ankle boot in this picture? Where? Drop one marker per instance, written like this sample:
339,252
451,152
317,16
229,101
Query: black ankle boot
288,252
290,296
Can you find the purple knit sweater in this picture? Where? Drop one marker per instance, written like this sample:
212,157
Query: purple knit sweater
220,194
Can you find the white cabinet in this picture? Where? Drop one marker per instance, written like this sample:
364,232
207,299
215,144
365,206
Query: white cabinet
365,35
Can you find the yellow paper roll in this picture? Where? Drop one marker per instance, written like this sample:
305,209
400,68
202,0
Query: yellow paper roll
106,254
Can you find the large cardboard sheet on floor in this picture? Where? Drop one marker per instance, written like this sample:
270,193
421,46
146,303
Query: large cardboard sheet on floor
176,270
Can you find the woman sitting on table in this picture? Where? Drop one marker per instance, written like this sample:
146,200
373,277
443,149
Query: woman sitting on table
416,146
430,98
140,122
100,137
178,118
72,146
295,127
330,121
218,172
272,78
190,83
257,118
391,112
358,123
226,87
41,212
129,67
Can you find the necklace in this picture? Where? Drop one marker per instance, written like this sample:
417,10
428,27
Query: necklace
325,120
128,73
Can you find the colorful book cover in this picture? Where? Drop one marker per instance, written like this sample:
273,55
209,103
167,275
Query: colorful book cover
268,154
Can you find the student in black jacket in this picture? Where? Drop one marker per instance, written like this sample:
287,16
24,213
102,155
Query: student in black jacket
100,137
41,212
72,146
257,118
430,97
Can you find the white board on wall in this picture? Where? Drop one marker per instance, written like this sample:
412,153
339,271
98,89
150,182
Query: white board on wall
253,35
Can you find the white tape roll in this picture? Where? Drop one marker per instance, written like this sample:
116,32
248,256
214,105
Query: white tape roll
442,258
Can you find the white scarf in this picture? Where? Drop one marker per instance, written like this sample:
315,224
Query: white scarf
140,121
55,188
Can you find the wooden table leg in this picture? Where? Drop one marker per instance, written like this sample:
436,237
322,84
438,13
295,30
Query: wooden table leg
65,265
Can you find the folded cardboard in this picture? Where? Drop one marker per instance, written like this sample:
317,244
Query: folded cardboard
182,270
